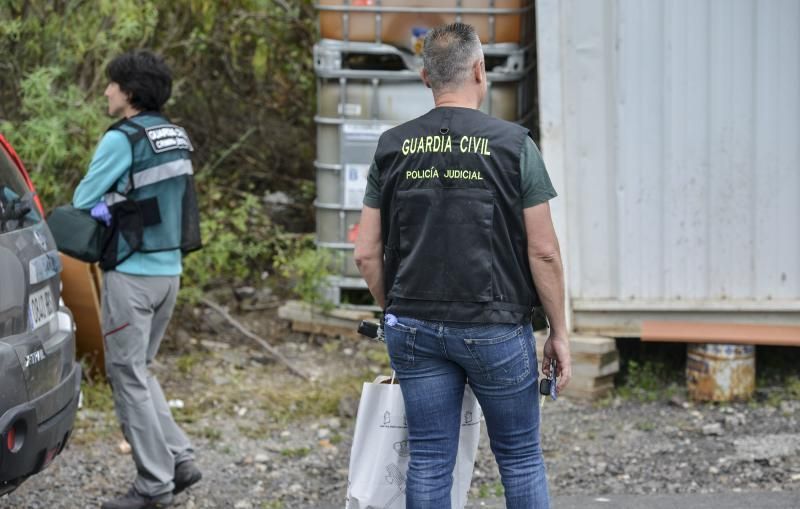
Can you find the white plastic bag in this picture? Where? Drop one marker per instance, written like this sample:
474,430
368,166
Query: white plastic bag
379,456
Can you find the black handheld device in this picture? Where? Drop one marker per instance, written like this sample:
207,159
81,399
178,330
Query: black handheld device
368,329
547,386
371,330
544,386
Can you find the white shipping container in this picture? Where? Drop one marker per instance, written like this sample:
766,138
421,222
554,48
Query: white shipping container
672,131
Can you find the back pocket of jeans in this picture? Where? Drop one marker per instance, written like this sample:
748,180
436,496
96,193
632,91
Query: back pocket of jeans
400,343
502,359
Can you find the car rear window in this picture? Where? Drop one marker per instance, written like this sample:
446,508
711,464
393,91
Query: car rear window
17,208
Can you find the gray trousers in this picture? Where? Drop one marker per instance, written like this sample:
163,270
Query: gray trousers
136,311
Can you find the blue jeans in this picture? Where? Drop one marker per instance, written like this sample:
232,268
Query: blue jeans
433,361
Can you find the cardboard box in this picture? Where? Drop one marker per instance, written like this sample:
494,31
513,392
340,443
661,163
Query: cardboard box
82,283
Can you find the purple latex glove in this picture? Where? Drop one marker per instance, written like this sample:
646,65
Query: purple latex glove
101,213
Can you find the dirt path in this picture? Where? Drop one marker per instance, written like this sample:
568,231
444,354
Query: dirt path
266,439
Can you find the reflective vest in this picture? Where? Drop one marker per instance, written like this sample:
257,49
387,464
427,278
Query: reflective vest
154,206
455,245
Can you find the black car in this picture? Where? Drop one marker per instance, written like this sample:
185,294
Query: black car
39,378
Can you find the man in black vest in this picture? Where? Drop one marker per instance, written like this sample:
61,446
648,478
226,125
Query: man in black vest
457,245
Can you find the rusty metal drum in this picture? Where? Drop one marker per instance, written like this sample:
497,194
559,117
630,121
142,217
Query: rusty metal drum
720,372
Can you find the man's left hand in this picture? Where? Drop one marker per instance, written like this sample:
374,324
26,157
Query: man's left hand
557,347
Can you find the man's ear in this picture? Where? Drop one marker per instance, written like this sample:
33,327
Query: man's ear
423,73
477,69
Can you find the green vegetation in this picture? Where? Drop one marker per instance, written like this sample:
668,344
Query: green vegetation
776,367
211,434
793,387
649,371
657,372
645,426
379,357
284,399
185,363
296,401
300,452
494,489
96,394
96,418
254,432
244,89
650,381
778,392
306,267
239,243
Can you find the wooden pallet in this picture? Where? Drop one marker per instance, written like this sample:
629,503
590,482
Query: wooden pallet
337,322
595,360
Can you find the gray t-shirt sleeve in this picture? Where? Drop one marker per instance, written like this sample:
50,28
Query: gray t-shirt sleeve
372,196
536,185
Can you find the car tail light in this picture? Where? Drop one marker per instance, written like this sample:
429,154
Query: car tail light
15,436
50,456
11,438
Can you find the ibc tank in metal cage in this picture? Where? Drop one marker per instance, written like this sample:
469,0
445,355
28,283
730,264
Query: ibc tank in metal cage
364,89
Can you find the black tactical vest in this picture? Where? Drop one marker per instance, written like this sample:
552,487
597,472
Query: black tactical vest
154,206
454,237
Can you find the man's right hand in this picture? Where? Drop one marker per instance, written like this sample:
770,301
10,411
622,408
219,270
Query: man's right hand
557,347
101,213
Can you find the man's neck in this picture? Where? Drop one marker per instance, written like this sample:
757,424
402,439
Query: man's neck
456,99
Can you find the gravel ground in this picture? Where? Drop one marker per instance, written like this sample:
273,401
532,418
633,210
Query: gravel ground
266,439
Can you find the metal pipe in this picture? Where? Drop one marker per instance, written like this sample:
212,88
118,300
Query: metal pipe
405,75
492,29
424,10
378,25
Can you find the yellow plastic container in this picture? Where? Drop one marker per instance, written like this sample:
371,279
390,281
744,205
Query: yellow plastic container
398,22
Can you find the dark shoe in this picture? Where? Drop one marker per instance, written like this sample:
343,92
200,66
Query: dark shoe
186,474
134,500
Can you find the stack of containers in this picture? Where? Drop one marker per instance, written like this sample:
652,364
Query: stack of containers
367,65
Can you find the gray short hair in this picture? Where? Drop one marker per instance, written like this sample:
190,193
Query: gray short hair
449,53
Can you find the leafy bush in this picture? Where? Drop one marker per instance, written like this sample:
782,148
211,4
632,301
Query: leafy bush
242,243
649,381
238,244
244,90
306,267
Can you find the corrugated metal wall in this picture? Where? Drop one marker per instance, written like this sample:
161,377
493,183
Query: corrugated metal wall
681,141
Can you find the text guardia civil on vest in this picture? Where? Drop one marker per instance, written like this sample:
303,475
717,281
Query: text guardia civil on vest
443,143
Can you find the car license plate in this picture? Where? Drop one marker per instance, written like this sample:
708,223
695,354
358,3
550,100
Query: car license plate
41,307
